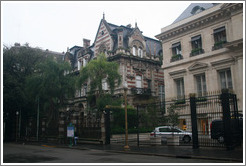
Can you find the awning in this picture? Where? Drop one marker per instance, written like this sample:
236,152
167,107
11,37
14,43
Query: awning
219,30
176,45
196,38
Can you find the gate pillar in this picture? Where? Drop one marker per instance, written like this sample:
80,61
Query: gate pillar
225,101
194,121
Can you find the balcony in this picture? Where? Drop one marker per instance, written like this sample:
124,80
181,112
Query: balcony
141,91
196,51
176,57
218,45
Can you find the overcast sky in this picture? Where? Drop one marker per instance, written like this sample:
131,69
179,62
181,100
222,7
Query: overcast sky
58,25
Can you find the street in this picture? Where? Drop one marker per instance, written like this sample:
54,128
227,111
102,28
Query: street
18,153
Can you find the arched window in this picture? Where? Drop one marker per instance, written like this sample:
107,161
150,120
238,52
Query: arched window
134,49
140,52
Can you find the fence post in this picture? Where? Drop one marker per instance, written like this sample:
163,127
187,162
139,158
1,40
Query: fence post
137,126
225,101
194,121
107,126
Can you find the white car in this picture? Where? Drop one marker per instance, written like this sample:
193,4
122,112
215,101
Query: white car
169,131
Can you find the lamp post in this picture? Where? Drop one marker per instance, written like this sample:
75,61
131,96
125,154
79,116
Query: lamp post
37,118
17,113
126,147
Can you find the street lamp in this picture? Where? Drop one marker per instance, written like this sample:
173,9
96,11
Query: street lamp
126,147
17,113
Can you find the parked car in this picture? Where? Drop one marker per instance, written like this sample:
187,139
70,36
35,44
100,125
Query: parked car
169,131
217,129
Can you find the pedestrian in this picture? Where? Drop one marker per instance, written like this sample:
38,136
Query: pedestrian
75,138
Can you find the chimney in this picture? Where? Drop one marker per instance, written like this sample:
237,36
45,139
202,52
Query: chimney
86,43
17,44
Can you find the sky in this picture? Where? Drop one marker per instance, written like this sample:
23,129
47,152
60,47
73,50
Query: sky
58,25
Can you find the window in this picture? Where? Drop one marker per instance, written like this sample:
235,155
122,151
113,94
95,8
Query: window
180,88
219,38
225,79
164,129
79,65
196,44
84,62
85,89
176,49
176,52
138,82
149,84
140,52
134,49
201,85
104,84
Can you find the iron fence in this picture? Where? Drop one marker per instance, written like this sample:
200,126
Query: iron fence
193,115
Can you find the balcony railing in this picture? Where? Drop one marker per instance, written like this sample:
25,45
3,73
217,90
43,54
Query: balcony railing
176,57
197,51
218,45
141,91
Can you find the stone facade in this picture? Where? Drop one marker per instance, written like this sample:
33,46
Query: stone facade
138,57
204,52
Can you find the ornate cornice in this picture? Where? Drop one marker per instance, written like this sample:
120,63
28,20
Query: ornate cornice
207,20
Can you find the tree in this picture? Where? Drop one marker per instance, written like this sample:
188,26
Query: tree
95,72
18,64
51,84
172,116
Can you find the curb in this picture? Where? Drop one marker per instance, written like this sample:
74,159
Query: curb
178,156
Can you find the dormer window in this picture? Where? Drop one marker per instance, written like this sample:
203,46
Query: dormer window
140,52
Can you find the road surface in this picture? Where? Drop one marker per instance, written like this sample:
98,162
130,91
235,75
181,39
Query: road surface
18,153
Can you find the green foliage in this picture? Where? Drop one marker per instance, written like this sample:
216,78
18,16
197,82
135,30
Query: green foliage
118,122
94,73
150,117
52,85
18,64
107,99
172,117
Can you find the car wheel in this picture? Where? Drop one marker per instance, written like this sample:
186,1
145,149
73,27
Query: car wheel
186,139
221,139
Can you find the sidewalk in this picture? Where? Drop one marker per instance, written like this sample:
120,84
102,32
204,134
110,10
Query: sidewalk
221,154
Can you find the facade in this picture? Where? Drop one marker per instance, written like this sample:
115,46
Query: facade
203,51
139,58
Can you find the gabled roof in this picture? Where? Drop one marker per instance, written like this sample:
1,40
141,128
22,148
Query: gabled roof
193,9
127,32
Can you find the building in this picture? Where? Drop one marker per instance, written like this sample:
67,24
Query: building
203,51
138,57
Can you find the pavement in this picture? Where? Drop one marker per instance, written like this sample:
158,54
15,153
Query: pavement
211,153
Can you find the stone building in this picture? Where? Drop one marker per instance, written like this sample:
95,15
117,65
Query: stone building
203,51
139,58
